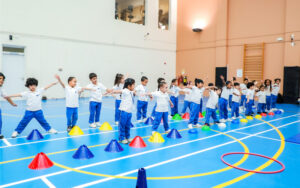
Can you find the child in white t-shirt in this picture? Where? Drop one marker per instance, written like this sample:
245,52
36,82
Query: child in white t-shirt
142,103
95,100
118,85
236,95
243,87
72,92
250,99
212,104
187,99
174,92
268,88
274,93
33,107
261,107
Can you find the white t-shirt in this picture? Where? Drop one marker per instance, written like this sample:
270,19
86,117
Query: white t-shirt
225,93
236,98
118,88
250,93
268,91
127,100
72,96
275,89
188,92
141,92
261,96
212,100
2,92
162,101
33,99
196,94
244,89
96,92
174,91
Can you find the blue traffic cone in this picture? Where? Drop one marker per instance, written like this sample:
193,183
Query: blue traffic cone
35,135
235,121
149,121
83,152
174,134
141,179
278,112
193,131
113,146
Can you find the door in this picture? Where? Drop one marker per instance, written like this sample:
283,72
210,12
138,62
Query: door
13,67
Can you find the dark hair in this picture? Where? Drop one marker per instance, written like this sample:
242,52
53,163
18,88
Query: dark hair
129,82
261,86
1,74
210,84
266,83
161,84
92,75
250,84
144,78
236,84
198,81
233,78
31,82
245,79
118,79
216,88
70,78
227,83
277,79
173,81
160,80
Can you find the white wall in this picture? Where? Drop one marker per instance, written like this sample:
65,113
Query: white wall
82,36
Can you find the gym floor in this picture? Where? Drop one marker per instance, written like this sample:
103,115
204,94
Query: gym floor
192,161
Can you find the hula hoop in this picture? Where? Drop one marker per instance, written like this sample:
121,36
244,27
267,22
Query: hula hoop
254,171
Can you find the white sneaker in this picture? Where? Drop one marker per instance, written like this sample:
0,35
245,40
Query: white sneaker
98,124
170,117
117,123
222,120
124,141
145,119
198,125
229,119
14,134
168,131
190,126
129,140
240,117
52,131
140,121
93,125
233,118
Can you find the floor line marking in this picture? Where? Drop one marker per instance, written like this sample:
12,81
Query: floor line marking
65,171
259,136
8,144
133,171
47,182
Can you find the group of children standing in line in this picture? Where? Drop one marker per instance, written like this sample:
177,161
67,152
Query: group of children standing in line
238,97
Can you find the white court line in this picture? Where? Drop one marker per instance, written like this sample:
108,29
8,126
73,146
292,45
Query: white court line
129,156
7,142
180,157
258,136
47,182
68,137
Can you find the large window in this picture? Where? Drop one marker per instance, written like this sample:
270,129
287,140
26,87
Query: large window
163,14
130,11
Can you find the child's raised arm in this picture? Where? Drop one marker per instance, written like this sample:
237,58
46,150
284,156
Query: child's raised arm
10,101
59,80
13,96
50,85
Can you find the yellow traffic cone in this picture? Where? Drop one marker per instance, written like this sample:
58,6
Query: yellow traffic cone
258,116
244,120
156,138
249,117
76,131
105,127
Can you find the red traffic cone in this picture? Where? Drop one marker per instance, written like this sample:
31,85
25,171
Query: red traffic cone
41,161
137,142
263,114
200,115
186,116
271,113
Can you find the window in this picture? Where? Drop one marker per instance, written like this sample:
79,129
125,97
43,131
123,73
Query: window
130,11
163,14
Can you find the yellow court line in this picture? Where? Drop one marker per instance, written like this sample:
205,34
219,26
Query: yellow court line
246,150
268,163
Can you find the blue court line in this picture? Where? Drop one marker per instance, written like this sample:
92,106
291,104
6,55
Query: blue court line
52,174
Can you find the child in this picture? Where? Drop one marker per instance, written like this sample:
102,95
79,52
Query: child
95,100
187,99
223,101
159,80
34,107
230,95
250,99
118,85
142,103
72,100
174,92
126,107
3,94
236,94
268,88
261,107
274,93
243,87
212,104
196,96
162,108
